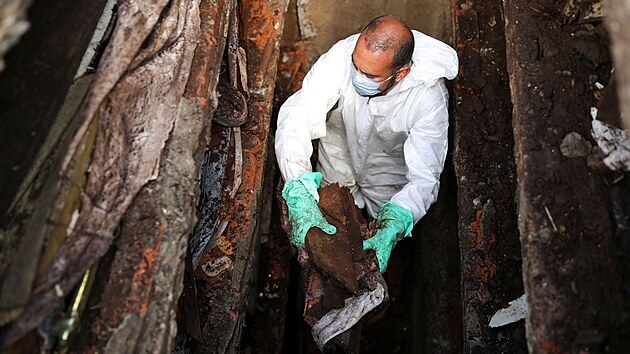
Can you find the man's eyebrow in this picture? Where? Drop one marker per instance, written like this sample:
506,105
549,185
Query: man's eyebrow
361,71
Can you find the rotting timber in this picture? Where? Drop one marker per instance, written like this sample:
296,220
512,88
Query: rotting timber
225,272
573,264
484,165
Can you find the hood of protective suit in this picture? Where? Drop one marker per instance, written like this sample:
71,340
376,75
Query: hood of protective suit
432,60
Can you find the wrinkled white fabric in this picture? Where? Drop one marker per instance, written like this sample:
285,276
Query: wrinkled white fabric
337,321
385,148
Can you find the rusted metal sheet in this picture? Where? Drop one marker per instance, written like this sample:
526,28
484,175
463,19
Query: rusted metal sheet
266,322
225,272
484,165
571,268
265,327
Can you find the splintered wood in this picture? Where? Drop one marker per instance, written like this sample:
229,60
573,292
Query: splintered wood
335,267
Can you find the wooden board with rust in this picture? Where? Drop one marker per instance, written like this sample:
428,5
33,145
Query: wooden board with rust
572,257
483,159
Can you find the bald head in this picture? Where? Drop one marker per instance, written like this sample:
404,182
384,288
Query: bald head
389,34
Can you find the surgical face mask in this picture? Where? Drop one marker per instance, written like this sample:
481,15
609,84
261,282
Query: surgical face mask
365,86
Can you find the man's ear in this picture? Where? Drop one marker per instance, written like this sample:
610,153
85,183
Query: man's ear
402,73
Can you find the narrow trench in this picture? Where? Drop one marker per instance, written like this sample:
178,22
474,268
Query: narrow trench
423,271
423,274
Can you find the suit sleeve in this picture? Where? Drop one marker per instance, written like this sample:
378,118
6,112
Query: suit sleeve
425,152
302,117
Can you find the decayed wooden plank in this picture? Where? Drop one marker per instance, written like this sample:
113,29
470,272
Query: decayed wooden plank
134,117
149,261
266,325
484,164
571,272
145,279
227,269
618,23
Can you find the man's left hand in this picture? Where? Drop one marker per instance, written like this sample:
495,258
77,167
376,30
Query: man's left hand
393,222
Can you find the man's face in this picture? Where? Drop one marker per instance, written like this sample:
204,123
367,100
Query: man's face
375,66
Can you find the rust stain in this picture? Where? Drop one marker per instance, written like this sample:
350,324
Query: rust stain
476,238
292,68
224,246
202,90
549,347
144,275
263,23
485,271
146,265
143,307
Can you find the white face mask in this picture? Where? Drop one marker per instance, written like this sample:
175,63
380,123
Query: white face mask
366,86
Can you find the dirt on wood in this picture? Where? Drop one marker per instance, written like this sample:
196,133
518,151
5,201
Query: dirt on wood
484,164
571,255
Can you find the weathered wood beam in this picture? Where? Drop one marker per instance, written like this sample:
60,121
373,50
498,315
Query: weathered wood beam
149,262
571,273
226,271
618,24
130,118
484,165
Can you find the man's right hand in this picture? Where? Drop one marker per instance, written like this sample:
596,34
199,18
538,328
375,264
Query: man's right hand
301,196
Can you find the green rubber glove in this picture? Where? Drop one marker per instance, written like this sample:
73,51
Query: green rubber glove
393,222
301,196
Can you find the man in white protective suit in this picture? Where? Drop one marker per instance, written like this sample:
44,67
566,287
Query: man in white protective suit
379,107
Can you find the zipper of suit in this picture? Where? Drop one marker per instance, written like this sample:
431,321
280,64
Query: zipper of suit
363,137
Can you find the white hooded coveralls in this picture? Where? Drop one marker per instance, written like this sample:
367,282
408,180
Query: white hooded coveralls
386,148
